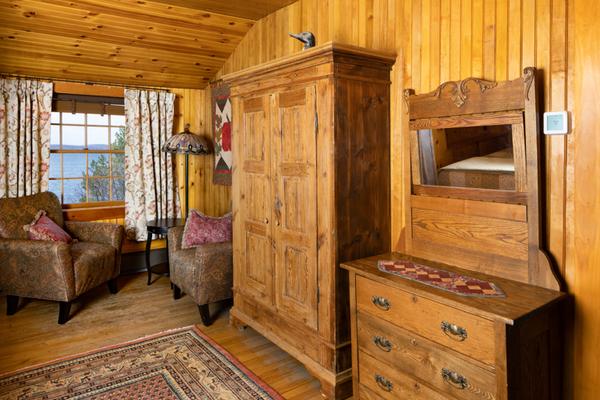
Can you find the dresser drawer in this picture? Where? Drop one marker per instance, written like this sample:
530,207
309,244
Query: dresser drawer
389,383
365,393
430,362
461,331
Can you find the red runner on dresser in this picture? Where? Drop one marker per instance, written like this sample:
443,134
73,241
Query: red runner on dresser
449,281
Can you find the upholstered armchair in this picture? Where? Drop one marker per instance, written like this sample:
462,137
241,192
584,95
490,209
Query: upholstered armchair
204,272
50,270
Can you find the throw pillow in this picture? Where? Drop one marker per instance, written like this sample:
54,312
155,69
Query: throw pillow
43,228
200,229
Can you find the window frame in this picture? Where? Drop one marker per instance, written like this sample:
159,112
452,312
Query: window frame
85,150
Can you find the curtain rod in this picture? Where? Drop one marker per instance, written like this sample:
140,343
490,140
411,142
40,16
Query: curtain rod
9,75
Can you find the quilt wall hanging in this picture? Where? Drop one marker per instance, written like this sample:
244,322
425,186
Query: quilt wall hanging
221,111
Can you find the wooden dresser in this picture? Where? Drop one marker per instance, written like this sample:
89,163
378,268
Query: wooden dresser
413,341
311,136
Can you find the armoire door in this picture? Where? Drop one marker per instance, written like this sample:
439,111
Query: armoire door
254,271
293,119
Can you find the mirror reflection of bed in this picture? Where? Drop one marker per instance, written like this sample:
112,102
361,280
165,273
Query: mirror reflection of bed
475,157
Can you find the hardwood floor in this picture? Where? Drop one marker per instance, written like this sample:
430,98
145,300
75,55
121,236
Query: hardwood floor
32,335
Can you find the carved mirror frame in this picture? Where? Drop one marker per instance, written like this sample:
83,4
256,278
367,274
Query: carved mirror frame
468,103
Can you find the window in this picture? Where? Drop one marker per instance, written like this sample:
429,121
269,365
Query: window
87,160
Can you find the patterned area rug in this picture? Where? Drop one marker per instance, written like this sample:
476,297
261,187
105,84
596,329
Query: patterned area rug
180,364
449,281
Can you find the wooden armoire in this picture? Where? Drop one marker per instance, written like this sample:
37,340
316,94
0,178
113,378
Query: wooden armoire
311,189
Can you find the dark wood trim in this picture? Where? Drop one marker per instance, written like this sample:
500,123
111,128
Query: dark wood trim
88,89
113,286
85,150
176,292
12,304
64,309
205,314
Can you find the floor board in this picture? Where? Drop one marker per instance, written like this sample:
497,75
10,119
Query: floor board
32,335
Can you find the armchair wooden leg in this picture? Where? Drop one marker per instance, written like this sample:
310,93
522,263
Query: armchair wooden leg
12,302
205,314
112,286
64,308
176,292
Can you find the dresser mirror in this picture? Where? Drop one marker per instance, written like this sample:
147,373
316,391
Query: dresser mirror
476,157
475,198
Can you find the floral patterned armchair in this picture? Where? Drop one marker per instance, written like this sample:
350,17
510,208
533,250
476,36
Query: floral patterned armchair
204,272
54,270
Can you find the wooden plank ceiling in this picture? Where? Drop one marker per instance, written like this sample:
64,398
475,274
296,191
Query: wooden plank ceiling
168,43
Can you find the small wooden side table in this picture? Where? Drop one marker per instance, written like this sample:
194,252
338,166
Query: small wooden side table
159,227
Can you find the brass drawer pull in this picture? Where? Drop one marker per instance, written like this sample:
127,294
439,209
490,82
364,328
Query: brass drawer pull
382,343
384,383
454,331
454,378
381,302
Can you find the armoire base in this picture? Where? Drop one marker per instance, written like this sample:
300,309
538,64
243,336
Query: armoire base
333,386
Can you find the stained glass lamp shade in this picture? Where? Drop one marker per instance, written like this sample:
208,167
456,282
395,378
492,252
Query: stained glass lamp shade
186,143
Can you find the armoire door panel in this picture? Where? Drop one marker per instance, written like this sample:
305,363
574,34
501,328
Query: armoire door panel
292,121
254,136
256,197
256,277
295,198
295,204
296,268
257,274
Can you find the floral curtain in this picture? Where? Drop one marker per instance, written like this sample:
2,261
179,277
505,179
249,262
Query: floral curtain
150,187
25,109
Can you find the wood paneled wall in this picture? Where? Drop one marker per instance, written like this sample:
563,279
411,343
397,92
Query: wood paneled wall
583,191
364,23
193,106
495,39
440,40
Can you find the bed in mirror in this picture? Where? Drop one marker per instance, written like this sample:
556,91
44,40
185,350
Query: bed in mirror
478,157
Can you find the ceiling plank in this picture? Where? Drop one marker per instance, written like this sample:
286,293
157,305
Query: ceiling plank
50,69
251,9
143,20
137,42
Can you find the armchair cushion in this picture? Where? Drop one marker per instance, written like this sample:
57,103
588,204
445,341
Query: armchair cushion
201,229
99,232
43,228
93,264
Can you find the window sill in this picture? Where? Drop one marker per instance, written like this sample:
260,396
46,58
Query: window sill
93,211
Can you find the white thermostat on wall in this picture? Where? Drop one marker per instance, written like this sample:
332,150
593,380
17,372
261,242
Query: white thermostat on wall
556,123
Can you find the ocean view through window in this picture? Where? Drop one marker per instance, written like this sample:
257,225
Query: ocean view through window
87,160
